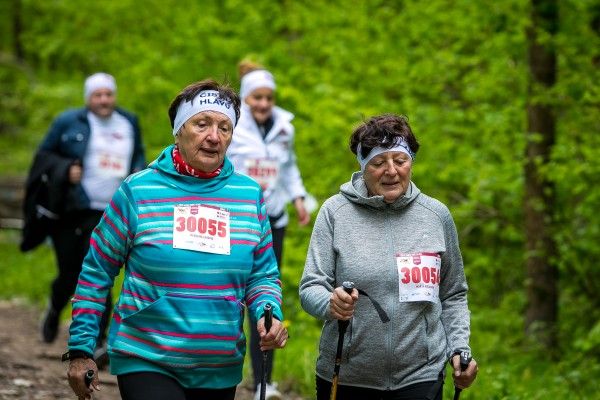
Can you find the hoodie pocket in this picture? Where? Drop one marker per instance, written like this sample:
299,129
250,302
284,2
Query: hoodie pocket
329,341
412,338
183,330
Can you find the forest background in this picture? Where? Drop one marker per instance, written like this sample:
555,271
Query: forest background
458,69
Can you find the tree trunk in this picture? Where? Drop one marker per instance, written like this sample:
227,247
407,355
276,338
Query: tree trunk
542,275
17,28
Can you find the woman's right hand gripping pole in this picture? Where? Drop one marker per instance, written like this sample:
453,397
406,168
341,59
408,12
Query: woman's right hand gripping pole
341,304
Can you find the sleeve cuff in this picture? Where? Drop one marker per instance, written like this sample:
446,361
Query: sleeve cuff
74,354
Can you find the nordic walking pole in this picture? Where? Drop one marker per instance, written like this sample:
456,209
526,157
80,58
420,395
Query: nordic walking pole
342,325
268,321
465,359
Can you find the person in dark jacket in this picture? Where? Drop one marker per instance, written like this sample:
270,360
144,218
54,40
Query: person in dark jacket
88,152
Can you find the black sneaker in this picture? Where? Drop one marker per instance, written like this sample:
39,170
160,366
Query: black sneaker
50,325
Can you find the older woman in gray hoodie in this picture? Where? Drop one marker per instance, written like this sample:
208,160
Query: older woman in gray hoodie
400,248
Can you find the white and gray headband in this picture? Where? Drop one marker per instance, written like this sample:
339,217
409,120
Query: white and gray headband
401,146
206,100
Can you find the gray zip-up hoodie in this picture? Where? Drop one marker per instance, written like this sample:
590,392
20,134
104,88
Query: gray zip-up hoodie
355,238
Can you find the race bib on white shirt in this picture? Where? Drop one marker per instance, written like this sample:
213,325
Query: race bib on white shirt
111,165
201,228
263,170
419,276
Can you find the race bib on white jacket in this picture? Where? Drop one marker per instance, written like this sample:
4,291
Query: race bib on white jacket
265,171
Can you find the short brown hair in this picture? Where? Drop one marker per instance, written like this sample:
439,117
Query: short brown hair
384,130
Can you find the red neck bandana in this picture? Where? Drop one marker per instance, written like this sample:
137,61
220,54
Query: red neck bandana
184,169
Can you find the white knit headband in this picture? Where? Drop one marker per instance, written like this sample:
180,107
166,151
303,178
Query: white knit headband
402,146
207,100
259,78
97,81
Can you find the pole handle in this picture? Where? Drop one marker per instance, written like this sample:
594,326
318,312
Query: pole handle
268,316
89,377
465,360
342,325
348,286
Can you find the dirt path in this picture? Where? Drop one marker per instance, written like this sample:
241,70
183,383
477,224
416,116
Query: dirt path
32,370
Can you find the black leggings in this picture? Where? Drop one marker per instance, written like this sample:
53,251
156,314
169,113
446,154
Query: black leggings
255,353
156,386
417,391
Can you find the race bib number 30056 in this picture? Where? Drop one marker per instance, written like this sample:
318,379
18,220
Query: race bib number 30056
201,228
419,276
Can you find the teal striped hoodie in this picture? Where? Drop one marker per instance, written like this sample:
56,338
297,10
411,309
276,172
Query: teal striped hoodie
180,312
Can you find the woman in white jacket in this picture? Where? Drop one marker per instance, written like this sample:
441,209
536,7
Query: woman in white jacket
263,148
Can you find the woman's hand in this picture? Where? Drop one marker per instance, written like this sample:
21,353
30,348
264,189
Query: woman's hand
76,376
341,304
303,215
276,338
463,379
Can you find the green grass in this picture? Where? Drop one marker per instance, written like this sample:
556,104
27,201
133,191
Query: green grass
510,367
25,275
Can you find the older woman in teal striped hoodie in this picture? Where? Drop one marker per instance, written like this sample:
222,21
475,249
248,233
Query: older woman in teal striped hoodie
194,240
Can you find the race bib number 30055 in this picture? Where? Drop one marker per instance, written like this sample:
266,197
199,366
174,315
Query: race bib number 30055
419,276
201,228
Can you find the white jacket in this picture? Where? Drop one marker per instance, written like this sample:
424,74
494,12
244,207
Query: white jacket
278,145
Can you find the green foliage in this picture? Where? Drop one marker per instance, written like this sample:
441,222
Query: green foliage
457,69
